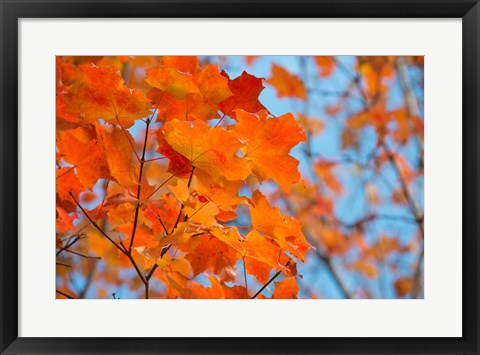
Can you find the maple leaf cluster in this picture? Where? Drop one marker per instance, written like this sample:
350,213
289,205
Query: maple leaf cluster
170,199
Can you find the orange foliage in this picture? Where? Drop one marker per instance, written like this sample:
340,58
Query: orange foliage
287,85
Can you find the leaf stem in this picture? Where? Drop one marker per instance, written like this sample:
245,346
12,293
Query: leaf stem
245,277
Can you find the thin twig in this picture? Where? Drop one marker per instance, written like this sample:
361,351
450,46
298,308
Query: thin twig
62,264
65,295
139,188
183,205
266,285
159,187
88,282
396,218
150,274
167,248
418,217
65,173
220,120
130,257
128,138
356,80
405,190
270,281
97,227
161,222
70,242
194,213
410,98
341,285
107,182
417,276
154,159
82,255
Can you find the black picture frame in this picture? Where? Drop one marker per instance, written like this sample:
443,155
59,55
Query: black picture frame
11,11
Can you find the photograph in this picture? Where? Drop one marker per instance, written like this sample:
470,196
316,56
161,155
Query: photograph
239,177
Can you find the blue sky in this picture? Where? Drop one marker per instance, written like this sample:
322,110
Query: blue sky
352,206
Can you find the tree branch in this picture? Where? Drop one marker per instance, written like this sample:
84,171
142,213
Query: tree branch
406,192
266,285
130,257
88,282
159,187
417,276
183,205
97,227
418,217
150,274
167,248
62,264
270,281
341,285
70,242
64,294
410,99
139,188
83,256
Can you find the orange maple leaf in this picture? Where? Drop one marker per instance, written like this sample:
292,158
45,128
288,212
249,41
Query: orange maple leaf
212,150
118,145
199,100
101,93
285,230
246,88
186,64
287,84
80,148
172,81
326,65
268,142
287,288
206,252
